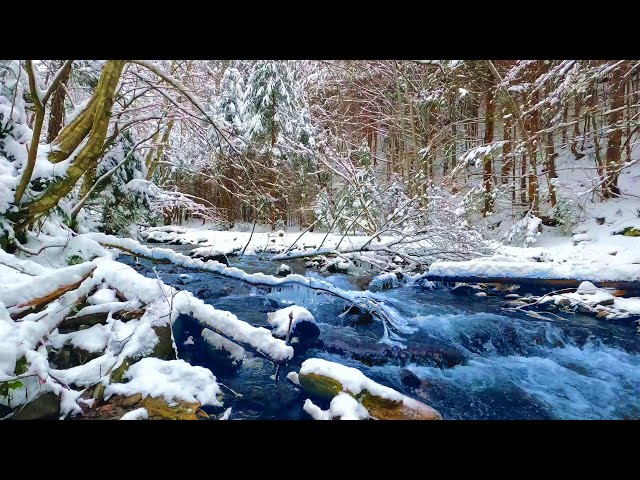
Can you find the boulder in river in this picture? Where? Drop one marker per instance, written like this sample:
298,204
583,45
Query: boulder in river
284,270
323,379
465,289
295,321
207,254
409,379
338,266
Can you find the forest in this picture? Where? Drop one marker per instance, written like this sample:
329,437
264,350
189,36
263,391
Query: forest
319,239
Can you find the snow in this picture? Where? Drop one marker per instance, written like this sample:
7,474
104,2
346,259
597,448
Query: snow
112,307
9,344
94,339
137,414
209,252
280,319
352,380
170,379
503,266
385,280
343,406
14,296
104,295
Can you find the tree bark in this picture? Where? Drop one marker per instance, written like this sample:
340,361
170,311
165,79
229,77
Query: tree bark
486,161
612,160
103,99
57,105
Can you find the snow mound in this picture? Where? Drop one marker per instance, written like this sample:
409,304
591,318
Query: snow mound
343,406
171,379
137,414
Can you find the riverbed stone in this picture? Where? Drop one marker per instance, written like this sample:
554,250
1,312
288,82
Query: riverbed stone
131,400
465,289
408,378
159,409
164,349
43,407
284,270
324,387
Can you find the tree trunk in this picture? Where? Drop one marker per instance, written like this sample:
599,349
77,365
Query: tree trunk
103,99
486,161
57,105
507,159
550,168
612,159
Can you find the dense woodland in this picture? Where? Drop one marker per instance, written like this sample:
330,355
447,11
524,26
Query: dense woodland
360,146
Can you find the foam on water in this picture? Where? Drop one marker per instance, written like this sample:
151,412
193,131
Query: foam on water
591,382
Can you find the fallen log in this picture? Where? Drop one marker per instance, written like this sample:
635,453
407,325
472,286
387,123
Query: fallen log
35,304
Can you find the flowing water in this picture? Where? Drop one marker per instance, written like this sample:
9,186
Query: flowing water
467,358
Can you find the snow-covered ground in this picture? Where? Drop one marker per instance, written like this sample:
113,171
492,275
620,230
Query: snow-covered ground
593,250
207,239
596,251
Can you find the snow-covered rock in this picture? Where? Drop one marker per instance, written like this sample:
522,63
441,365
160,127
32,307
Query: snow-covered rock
137,414
207,254
385,281
303,325
284,270
324,379
172,380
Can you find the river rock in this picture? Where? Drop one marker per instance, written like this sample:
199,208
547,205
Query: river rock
465,289
159,409
361,318
284,270
131,400
304,334
43,407
164,349
607,302
629,232
222,352
324,387
338,267
207,254
410,379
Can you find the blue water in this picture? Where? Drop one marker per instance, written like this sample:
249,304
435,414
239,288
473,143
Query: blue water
473,360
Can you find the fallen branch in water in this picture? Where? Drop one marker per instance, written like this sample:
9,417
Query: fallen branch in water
360,299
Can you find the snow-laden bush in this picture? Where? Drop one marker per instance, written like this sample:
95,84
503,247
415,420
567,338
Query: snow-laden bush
120,205
524,232
568,211
14,131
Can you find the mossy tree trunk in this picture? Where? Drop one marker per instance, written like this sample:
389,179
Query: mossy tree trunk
87,158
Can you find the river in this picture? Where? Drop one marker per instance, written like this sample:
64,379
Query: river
466,357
